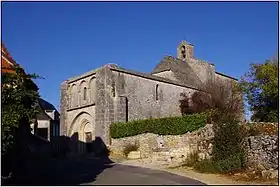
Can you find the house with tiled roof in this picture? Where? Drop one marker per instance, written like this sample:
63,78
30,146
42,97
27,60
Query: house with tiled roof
7,62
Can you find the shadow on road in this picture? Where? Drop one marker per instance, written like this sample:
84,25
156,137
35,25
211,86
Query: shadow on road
66,170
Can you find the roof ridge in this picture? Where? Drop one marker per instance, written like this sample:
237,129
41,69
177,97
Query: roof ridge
6,54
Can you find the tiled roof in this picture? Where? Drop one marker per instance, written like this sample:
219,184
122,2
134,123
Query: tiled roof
6,60
44,106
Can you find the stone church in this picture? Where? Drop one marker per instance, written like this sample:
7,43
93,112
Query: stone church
91,102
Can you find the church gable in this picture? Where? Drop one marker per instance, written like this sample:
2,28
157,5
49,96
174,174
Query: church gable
185,68
181,71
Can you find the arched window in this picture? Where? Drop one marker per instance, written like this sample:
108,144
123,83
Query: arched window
74,96
113,89
85,93
183,51
92,86
157,92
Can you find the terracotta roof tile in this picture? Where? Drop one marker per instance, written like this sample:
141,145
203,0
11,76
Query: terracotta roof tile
7,61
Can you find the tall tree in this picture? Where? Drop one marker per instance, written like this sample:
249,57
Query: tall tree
260,87
19,101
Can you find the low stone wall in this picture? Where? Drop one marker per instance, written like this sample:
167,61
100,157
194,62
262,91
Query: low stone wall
172,150
262,151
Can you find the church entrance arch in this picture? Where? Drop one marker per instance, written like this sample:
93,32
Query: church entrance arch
82,133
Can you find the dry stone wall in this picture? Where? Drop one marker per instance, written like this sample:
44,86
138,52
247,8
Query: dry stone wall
172,150
262,151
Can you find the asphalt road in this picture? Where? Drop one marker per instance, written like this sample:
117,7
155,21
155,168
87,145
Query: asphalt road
92,171
130,175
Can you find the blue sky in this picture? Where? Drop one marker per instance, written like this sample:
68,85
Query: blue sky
62,40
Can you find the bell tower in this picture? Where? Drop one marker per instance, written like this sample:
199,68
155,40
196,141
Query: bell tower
185,50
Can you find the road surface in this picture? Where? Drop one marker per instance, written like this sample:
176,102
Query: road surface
92,171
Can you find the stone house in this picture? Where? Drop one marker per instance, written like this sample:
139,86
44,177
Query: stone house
91,102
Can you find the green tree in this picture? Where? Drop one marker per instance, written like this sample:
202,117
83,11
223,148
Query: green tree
19,101
260,87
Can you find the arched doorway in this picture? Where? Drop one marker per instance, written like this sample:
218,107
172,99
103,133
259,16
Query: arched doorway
86,136
82,133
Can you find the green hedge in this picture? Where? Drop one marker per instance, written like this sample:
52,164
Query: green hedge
161,126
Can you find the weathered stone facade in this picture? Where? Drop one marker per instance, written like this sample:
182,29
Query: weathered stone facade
111,94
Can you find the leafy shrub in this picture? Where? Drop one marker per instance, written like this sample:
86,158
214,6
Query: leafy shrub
222,106
206,166
191,160
228,154
231,163
160,126
228,151
228,138
130,147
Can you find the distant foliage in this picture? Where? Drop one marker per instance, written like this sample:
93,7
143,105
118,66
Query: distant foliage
161,126
260,86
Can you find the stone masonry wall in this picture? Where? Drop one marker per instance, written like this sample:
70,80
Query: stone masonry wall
262,150
204,70
63,107
141,95
176,148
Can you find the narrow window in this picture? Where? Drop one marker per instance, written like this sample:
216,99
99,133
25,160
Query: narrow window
126,109
85,93
113,89
183,51
157,92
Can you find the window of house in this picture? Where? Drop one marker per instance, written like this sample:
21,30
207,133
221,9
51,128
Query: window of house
157,92
85,93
